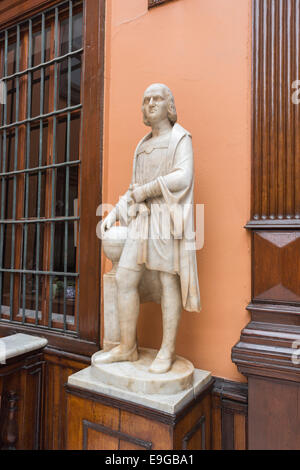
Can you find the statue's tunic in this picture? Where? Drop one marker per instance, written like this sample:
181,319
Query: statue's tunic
151,163
165,239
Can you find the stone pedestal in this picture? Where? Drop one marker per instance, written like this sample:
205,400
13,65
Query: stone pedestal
104,417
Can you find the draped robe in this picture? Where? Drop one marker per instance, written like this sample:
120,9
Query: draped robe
177,254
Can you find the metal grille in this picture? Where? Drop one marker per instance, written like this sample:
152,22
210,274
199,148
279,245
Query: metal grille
40,168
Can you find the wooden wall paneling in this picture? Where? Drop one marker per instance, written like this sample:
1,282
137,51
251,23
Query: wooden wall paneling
229,415
266,347
9,432
275,142
22,377
79,411
216,423
57,370
155,436
193,431
276,407
276,266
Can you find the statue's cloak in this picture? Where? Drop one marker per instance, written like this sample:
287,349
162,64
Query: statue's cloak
185,262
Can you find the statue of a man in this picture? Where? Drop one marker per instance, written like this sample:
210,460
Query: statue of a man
161,191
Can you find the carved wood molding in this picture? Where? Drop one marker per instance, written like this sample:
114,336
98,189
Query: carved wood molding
198,426
266,347
121,436
9,422
276,120
154,3
231,392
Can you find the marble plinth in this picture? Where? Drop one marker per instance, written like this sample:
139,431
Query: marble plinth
173,403
135,376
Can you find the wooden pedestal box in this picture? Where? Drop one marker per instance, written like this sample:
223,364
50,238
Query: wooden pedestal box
99,422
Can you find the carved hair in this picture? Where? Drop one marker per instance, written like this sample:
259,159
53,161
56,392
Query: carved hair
172,113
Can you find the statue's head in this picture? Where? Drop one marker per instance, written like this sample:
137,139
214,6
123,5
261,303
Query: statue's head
158,104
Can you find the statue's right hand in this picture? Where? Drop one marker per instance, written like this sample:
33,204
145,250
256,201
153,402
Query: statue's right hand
108,222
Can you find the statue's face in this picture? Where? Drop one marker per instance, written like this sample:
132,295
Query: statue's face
155,104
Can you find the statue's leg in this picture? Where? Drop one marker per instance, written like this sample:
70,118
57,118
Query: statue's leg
171,305
128,307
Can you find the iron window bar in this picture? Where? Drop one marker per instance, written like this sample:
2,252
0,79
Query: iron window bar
43,65
41,116
67,159
34,271
53,171
38,227
27,157
3,181
35,221
40,168
13,243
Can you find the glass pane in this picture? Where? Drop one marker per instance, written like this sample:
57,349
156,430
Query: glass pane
31,298
36,204
61,139
5,309
60,255
34,247
75,63
7,246
36,76
77,32
11,101
63,299
9,198
10,150
11,84
61,191
37,139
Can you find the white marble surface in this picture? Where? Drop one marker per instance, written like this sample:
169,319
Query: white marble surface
157,210
111,314
18,344
136,377
167,403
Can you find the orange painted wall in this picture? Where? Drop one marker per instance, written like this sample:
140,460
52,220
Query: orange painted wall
202,50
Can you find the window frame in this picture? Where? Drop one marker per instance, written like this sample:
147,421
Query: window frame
87,340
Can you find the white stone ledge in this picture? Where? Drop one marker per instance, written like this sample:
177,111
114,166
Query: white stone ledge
18,344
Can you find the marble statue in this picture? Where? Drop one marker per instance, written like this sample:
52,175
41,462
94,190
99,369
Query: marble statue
152,258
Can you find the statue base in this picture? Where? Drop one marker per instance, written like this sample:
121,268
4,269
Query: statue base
103,417
92,380
135,376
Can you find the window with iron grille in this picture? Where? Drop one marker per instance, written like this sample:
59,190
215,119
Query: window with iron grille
40,169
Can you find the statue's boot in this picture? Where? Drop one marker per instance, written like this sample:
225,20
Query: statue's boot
161,365
115,355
